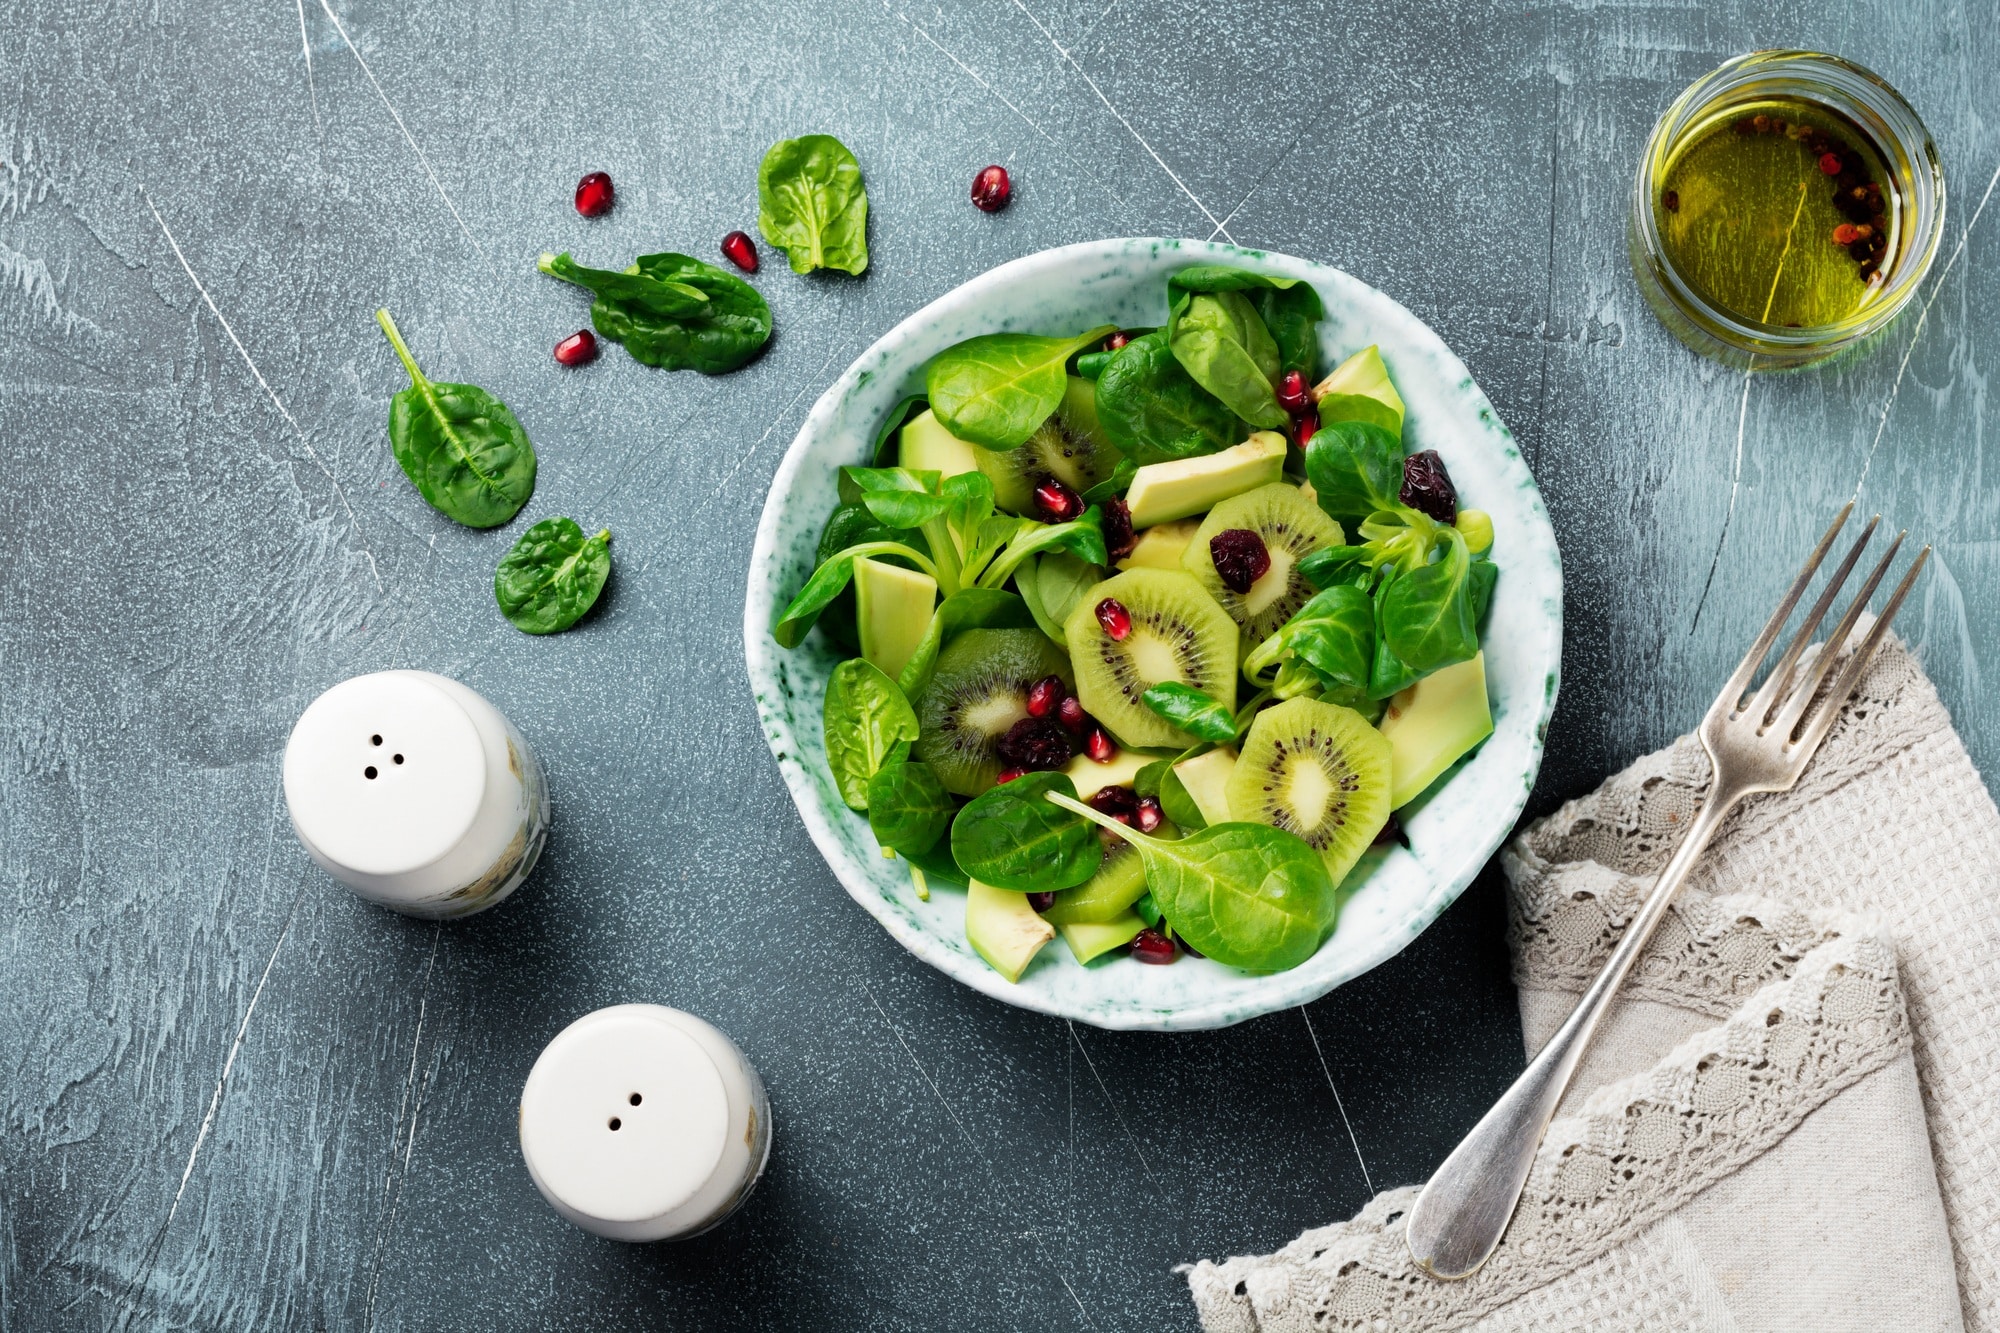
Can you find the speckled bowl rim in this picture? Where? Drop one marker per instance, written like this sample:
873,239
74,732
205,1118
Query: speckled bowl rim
1235,996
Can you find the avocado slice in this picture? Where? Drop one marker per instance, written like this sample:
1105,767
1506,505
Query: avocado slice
927,446
1119,882
1091,939
1206,777
1162,492
892,609
1432,723
1160,546
1359,390
1003,929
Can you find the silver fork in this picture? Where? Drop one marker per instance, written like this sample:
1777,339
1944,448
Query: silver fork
1754,744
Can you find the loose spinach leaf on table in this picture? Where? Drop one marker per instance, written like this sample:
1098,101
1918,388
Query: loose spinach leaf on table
1426,614
1220,340
552,576
968,608
1191,710
995,389
812,204
1011,837
1356,469
1154,412
458,444
672,311
868,723
1246,895
908,808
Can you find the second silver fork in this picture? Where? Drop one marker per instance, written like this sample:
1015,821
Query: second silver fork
1757,743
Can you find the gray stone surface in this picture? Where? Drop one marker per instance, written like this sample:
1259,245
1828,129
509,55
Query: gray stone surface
235,1097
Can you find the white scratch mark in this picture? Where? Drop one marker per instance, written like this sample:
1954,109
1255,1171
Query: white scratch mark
1140,138
970,74
1285,153
393,1184
312,88
776,421
1882,423
408,138
1338,1104
276,401
1735,484
1144,1165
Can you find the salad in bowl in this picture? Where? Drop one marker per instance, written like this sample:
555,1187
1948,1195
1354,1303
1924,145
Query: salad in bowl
1145,645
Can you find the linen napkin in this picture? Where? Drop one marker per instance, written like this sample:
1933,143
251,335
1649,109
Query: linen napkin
1791,1119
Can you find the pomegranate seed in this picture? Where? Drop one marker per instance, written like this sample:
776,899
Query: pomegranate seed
1044,695
1117,621
1114,801
1117,340
1099,745
1293,395
1119,539
740,251
1846,234
1305,428
1057,503
1041,902
1149,814
991,189
1008,775
577,349
1240,558
1830,163
593,195
1150,946
1070,712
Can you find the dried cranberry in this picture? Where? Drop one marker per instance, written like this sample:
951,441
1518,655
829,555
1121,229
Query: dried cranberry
1427,486
991,189
1044,695
1150,946
1057,503
1114,801
1117,340
593,195
741,251
576,349
1304,429
1070,713
1117,621
1041,902
1148,814
1036,744
1240,557
1293,394
1116,518
1099,745
1007,775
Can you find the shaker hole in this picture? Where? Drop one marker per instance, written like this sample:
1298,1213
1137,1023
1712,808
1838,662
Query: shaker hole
369,772
635,1099
374,740
397,758
615,1122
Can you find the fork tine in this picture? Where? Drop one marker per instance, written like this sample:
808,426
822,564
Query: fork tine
1738,684
1800,699
1857,662
1775,686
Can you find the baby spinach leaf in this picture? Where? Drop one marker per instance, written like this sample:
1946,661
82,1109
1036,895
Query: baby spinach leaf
1177,804
1220,340
812,204
995,389
1290,308
970,608
908,808
1011,837
1191,710
673,311
459,445
827,582
887,434
937,864
1091,364
1246,895
1356,469
1426,613
868,723
1152,409
552,576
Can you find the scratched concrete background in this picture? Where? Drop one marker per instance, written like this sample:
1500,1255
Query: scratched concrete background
236,1098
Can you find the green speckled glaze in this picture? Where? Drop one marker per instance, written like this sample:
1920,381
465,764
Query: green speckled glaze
1453,828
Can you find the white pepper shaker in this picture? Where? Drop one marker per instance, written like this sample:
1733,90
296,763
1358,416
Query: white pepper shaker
416,793
641,1122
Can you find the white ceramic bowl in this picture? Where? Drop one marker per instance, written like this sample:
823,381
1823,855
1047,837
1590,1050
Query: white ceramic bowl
1452,831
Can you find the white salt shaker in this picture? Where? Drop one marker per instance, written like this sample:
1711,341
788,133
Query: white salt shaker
416,793
641,1122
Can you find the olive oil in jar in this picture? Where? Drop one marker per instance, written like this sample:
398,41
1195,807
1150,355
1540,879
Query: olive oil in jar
1779,211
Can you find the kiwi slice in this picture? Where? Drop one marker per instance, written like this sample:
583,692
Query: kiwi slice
1176,632
979,690
1291,527
1069,446
1318,770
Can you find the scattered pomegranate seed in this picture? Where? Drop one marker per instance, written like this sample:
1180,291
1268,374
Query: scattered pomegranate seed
1099,745
1150,946
576,349
1117,621
1070,712
1041,902
1044,695
1117,340
1149,814
1057,503
1008,775
1305,428
1293,394
1119,539
1240,558
1846,234
991,189
1830,163
740,251
593,195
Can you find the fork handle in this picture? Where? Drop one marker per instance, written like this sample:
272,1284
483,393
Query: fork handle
1458,1220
